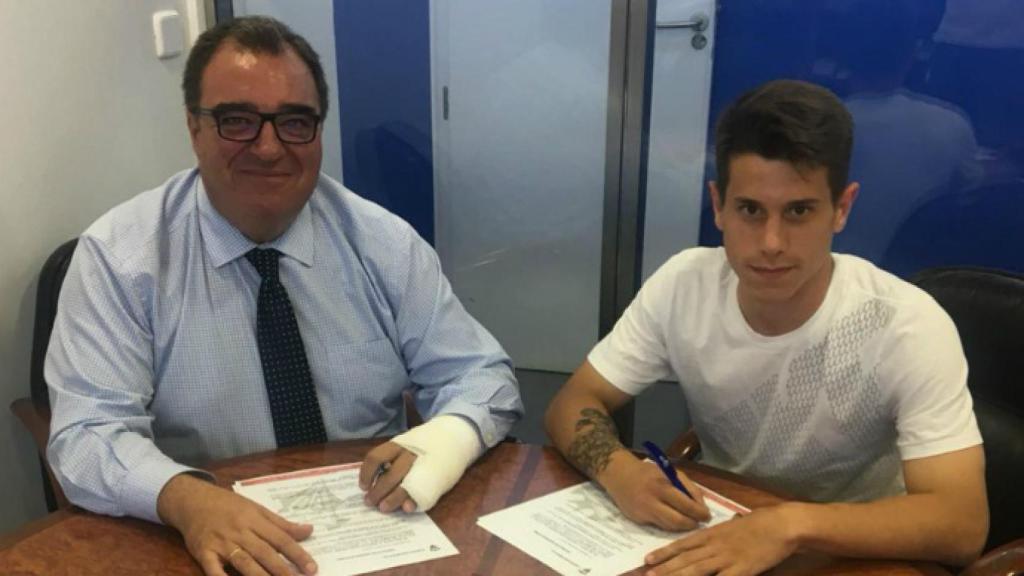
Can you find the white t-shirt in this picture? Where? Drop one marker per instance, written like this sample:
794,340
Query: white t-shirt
825,412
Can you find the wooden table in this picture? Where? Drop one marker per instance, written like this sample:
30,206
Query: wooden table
80,543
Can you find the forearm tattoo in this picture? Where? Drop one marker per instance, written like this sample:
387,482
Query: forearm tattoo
591,450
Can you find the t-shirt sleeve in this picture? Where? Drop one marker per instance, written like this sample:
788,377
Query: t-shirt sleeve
934,410
634,354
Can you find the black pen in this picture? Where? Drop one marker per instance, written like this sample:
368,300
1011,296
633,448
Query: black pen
666,467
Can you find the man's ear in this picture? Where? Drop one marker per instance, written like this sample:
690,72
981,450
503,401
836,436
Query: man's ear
716,203
843,206
192,121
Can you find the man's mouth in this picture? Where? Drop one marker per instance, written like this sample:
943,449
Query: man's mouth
771,271
265,173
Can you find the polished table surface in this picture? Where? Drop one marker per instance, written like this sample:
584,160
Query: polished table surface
81,543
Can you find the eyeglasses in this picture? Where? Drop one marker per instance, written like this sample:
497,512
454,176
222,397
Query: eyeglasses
246,125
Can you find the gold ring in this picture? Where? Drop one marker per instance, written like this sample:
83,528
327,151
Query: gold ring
233,552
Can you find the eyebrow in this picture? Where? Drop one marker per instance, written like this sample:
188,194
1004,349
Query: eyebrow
804,202
287,108
800,201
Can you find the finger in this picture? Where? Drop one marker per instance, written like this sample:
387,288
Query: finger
676,547
392,478
685,505
245,563
697,493
394,500
267,557
409,506
712,565
212,564
386,452
690,563
297,531
668,518
282,542
266,550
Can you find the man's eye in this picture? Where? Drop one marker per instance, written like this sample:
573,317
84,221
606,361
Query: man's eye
800,211
235,120
296,122
748,209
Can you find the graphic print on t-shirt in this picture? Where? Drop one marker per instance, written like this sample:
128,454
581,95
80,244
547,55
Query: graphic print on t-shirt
775,433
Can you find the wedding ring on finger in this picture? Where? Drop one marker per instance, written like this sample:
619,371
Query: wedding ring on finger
233,552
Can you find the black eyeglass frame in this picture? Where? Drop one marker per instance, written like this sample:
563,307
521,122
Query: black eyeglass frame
217,113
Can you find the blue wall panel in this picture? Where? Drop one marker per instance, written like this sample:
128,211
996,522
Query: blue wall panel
937,95
383,54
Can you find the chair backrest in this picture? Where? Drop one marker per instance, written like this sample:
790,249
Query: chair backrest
51,278
987,307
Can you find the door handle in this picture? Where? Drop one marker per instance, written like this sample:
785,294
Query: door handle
698,23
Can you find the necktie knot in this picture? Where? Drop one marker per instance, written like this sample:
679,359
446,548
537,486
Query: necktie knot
265,261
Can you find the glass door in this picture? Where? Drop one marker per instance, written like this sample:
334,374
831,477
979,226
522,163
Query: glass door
519,149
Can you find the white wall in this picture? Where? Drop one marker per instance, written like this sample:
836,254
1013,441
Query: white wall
90,117
314,20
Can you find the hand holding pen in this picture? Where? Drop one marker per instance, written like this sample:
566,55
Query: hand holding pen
669,471
642,494
666,467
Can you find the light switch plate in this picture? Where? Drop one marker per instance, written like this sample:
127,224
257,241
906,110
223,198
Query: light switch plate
167,33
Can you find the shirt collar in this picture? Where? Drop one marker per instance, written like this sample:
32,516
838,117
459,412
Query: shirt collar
224,243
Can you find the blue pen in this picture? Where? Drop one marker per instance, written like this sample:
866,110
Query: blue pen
667,468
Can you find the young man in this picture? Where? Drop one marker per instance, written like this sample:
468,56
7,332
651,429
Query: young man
814,372
253,303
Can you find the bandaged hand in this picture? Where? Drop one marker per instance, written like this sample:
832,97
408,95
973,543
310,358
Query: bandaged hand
429,459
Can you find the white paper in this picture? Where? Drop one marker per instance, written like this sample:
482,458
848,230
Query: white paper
349,537
579,530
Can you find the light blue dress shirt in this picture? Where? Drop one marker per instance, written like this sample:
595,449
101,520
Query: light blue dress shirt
154,368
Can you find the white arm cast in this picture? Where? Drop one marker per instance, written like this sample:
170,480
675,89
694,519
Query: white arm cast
444,447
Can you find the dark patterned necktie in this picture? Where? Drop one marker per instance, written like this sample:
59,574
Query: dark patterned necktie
293,404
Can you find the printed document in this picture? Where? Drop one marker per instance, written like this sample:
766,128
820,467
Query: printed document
579,530
349,537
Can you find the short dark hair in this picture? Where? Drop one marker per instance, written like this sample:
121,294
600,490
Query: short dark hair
801,123
257,34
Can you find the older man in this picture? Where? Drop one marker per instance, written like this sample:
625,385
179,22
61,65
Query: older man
254,303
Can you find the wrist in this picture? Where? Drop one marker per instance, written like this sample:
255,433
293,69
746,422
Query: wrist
174,497
620,462
796,523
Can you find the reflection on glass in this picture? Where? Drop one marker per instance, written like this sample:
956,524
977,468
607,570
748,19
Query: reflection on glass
935,90
908,148
520,163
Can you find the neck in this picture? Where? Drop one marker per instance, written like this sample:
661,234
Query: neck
774,318
262,235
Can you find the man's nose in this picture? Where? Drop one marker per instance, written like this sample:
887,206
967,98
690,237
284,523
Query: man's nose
774,239
267,146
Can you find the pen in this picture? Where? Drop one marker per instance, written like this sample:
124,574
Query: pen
380,471
667,468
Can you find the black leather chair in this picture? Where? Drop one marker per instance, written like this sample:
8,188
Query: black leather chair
34,411
987,307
